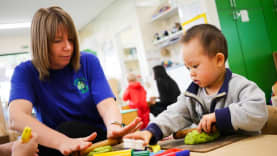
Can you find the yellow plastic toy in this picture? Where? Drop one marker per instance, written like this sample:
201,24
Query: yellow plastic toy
26,134
155,148
118,153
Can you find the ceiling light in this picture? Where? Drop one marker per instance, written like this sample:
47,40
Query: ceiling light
15,25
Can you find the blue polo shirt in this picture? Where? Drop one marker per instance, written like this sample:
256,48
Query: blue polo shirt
67,95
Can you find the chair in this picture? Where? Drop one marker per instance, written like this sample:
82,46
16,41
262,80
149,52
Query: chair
271,125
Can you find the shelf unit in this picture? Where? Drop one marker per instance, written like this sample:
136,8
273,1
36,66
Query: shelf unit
130,60
166,14
171,39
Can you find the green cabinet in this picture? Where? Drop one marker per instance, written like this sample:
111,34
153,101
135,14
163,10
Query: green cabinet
249,43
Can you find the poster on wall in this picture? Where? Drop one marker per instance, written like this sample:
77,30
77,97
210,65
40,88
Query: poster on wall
192,13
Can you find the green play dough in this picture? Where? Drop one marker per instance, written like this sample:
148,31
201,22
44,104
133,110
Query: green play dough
195,137
102,149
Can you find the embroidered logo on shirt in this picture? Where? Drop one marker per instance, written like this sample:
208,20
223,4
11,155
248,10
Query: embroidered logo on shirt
81,84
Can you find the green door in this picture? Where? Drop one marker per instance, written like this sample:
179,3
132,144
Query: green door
235,55
257,50
246,4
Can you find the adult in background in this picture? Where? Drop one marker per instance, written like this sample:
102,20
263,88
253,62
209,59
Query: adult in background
167,88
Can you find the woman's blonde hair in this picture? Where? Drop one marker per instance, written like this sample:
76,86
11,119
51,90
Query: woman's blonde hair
45,24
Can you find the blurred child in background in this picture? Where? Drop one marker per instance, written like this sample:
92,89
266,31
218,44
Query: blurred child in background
136,95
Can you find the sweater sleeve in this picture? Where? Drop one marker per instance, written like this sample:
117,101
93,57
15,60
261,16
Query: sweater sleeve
126,95
21,84
176,117
249,113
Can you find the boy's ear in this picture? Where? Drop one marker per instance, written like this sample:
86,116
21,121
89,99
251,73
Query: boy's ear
220,59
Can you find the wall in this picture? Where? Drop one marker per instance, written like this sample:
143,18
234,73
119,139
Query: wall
212,12
12,44
103,30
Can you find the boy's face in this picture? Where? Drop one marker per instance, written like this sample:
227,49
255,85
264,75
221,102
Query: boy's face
204,70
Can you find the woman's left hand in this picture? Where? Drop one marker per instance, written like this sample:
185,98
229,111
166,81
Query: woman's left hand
116,131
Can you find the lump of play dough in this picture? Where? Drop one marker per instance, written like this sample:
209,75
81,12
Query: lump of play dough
195,137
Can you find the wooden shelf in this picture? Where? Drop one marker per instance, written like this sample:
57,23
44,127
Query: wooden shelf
171,39
170,12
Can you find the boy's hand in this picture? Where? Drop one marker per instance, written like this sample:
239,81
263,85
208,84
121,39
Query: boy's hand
29,148
206,123
140,135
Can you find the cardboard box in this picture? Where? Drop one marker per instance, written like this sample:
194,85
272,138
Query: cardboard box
3,128
128,115
271,127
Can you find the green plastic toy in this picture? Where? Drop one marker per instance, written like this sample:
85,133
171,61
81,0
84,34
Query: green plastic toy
102,149
195,137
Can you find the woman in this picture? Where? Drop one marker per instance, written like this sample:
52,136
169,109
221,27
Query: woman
67,89
167,88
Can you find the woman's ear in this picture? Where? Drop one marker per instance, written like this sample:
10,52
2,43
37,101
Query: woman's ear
220,59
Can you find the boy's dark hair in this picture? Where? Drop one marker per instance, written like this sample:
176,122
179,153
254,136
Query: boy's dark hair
211,38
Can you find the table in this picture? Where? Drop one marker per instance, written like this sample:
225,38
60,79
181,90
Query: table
262,145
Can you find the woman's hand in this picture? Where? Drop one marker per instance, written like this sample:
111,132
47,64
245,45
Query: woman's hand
29,148
206,123
140,135
76,144
116,131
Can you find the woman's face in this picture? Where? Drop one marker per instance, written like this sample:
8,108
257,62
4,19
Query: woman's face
61,49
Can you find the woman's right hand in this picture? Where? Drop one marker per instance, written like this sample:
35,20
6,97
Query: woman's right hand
140,135
71,145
